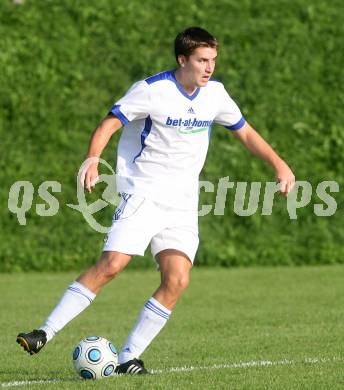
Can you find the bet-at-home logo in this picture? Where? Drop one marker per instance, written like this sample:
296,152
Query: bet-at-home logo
188,126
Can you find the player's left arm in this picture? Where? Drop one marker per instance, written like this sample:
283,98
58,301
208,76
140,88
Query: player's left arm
259,147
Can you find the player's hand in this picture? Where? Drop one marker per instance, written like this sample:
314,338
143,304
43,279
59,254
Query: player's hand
89,174
285,177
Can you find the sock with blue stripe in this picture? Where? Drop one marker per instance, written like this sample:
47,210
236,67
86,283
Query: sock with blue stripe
75,300
151,320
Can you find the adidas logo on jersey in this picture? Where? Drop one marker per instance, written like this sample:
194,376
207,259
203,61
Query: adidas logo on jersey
191,111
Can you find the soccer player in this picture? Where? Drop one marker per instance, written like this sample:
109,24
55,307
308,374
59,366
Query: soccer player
166,122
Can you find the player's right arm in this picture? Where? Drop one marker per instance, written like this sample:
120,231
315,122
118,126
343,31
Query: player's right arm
99,139
135,104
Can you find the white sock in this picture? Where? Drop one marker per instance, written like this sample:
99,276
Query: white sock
151,320
75,300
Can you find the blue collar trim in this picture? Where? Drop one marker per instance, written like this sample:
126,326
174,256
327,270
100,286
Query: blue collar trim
180,88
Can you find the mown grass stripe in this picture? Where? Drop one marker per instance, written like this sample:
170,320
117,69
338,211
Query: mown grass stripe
239,365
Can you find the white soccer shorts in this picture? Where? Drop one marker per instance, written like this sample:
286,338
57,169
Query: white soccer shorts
139,221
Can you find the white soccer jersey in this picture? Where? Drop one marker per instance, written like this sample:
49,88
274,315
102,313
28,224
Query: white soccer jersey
165,137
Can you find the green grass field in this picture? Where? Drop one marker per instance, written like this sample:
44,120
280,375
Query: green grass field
267,328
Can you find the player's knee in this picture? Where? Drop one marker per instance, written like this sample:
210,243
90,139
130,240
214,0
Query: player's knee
112,266
177,283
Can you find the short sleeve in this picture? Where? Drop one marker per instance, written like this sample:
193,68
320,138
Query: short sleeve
229,114
135,104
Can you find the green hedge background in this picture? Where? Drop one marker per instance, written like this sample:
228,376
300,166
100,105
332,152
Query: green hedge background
63,64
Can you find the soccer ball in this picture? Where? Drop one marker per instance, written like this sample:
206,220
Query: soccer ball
95,358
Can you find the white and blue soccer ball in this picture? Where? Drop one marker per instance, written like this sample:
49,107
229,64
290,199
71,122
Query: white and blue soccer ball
95,358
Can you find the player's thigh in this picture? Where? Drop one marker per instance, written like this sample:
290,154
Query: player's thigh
106,268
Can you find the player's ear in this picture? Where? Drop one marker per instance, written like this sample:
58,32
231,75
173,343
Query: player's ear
181,60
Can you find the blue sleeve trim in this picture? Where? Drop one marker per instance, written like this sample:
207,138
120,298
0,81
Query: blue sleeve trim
158,77
117,112
237,125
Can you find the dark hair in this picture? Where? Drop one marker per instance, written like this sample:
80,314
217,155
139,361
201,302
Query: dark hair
190,39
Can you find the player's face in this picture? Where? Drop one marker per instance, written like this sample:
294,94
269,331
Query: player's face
200,65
